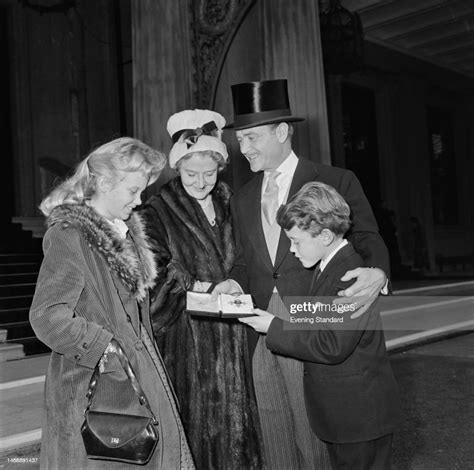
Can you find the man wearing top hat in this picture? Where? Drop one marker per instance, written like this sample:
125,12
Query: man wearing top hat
265,267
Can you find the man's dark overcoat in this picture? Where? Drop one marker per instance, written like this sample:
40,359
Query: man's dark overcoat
253,268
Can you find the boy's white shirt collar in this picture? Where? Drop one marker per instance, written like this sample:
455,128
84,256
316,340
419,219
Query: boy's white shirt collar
344,242
331,255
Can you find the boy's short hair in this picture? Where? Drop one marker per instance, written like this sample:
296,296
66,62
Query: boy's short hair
314,207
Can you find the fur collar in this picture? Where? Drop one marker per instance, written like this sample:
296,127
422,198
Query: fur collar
176,197
130,259
188,212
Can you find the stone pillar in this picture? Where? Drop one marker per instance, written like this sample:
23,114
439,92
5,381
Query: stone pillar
335,117
291,48
413,159
162,68
26,189
63,92
78,87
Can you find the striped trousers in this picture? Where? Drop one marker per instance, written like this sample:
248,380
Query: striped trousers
288,439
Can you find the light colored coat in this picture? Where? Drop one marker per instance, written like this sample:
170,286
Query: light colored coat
92,287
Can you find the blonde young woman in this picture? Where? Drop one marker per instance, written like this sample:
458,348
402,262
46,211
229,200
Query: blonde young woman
93,288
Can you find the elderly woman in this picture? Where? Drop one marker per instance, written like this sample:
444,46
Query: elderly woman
189,223
92,295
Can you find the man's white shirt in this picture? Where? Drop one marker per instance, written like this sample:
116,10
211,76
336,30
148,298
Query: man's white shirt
287,170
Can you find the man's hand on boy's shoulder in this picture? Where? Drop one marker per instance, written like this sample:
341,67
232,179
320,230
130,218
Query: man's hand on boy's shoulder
362,293
260,322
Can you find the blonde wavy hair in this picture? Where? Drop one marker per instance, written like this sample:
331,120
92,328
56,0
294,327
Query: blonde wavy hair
106,164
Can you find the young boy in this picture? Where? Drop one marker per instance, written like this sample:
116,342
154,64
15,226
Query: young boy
350,392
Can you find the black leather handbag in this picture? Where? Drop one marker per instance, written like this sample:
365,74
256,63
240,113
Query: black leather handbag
119,437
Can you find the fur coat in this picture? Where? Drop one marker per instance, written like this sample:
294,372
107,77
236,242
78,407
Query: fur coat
92,287
207,359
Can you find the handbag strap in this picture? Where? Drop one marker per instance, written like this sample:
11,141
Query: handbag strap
131,376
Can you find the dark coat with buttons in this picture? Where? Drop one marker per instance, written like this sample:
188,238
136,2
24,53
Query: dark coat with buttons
253,268
92,287
350,391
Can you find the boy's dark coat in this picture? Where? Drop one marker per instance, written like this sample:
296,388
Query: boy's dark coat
350,392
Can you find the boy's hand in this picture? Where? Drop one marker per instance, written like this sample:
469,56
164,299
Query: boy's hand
226,287
260,322
370,281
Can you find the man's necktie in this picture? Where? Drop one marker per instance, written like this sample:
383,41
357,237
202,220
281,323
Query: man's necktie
270,198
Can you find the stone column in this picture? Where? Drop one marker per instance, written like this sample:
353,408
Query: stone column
335,118
162,68
26,188
291,48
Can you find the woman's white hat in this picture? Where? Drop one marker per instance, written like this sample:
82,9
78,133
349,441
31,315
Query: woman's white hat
195,130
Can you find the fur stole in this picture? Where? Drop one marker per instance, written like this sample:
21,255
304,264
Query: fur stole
181,215
131,259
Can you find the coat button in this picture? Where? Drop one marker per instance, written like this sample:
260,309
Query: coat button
138,345
85,345
129,319
77,357
276,275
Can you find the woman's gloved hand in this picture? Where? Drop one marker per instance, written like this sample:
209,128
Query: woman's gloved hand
112,348
182,280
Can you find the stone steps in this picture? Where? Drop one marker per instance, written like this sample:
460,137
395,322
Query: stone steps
17,330
19,289
18,274
15,301
9,351
21,401
18,278
12,315
27,267
6,258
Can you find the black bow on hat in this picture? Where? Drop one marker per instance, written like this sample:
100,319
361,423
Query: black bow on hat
190,136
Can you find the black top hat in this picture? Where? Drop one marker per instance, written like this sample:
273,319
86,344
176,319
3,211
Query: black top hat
260,103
